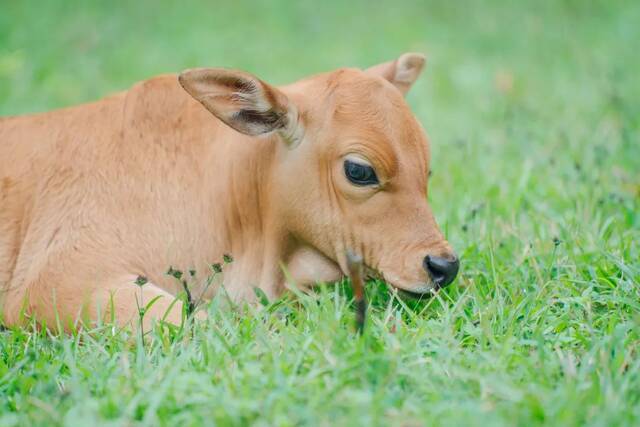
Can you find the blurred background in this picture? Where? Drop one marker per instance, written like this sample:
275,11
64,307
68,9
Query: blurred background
532,107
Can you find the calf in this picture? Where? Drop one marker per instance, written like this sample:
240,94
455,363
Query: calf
178,171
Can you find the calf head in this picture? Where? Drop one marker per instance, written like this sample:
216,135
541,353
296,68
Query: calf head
351,167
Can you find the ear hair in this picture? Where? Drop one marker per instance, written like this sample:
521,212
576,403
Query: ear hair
239,99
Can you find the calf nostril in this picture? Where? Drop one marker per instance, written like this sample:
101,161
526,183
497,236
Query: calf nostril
441,270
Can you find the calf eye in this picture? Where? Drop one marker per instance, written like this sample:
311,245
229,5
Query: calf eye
360,174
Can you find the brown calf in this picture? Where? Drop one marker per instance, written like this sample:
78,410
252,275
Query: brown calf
179,171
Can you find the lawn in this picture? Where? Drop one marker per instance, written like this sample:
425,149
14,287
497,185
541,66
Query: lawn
533,113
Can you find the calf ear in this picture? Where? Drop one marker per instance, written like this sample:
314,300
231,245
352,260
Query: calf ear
402,72
240,99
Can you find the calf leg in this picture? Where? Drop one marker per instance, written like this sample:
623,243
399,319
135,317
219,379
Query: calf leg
121,300
61,304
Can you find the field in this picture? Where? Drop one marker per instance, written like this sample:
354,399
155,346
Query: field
533,113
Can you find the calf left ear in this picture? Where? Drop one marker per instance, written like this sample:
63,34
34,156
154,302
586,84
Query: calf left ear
402,72
241,100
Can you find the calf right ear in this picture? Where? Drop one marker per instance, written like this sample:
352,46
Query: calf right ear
403,72
241,100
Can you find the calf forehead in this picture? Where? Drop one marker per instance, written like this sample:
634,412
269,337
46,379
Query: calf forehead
373,112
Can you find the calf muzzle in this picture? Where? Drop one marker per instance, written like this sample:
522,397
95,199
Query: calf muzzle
442,270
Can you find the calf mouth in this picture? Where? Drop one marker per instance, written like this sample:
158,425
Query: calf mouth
418,295
428,291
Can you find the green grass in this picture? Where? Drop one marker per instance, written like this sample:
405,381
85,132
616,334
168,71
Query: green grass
534,119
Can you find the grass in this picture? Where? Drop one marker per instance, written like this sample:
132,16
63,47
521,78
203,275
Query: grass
534,119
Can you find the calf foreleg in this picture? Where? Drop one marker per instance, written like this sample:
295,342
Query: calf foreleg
62,304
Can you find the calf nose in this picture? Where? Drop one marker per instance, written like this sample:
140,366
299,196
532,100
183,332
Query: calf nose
442,270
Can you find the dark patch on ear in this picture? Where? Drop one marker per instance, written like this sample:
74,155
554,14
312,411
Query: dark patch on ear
269,119
236,83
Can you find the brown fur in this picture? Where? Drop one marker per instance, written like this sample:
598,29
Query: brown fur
95,195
